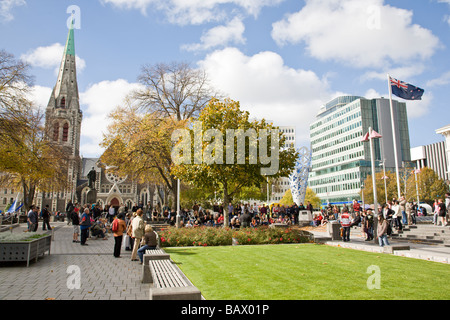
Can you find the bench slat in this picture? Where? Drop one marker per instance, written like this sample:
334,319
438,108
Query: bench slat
166,274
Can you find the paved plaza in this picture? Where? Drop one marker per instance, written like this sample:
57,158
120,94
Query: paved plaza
103,277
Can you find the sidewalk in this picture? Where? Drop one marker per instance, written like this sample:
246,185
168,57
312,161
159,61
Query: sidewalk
52,277
103,277
437,253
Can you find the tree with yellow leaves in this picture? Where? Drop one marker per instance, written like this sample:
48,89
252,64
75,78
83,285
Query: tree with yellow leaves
224,150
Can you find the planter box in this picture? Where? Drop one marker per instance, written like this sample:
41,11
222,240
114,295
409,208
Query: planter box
24,250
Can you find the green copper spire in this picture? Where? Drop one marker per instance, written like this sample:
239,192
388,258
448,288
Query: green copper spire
70,44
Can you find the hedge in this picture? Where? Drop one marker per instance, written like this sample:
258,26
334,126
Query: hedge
210,236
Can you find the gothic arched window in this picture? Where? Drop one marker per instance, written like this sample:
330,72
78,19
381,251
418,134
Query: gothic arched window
65,132
63,102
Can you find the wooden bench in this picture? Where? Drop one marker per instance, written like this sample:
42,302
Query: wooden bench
153,254
169,283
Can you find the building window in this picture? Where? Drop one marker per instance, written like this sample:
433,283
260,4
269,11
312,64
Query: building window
66,132
63,102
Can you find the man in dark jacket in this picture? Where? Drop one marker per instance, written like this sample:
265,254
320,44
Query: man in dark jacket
245,219
46,219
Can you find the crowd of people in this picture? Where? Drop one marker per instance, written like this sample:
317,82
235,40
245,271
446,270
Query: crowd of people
240,215
94,221
392,215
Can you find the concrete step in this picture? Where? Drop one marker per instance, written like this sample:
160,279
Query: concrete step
419,239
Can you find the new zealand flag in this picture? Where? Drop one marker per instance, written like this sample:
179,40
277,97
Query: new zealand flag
405,90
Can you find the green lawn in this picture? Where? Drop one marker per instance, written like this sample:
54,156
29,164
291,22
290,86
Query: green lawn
308,271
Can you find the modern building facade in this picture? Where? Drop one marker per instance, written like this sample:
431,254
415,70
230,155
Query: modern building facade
340,160
281,185
433,156
445,131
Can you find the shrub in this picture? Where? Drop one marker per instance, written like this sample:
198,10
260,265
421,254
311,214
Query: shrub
209,236
18,237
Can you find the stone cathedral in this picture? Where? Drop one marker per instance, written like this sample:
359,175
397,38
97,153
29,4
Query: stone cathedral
63,122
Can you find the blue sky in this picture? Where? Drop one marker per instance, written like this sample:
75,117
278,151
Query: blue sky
282,59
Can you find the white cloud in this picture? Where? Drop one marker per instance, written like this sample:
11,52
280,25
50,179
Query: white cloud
402,73
232,33
100,100
269,89
357,33
194,11
447,19
6,6
40,96
372,94
49,57
419,108
443,80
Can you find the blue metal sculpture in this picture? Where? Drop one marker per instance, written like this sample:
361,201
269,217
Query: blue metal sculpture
298,180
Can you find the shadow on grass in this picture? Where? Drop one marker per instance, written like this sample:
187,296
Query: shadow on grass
181,252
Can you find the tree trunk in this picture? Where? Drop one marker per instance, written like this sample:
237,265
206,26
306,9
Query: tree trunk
28,195
226,200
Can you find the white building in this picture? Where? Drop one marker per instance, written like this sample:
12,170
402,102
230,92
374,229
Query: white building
340,160
280,186
433,156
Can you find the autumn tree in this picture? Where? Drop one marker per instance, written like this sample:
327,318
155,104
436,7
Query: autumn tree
139,145
429,186
222,148
287,198
138,141
390,191
29,160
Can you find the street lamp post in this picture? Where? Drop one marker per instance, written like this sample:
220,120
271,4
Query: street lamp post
362,192
178,204
417,186
369,137
384,178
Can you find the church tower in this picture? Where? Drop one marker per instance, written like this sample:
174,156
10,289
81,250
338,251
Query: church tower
63,114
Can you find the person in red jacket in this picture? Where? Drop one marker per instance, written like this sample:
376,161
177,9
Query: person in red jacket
346,222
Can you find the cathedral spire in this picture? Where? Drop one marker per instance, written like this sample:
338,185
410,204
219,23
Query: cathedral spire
65,92
63,114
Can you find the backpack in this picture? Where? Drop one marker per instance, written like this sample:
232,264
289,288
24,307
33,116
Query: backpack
115,225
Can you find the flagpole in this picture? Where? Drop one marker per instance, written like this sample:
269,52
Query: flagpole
394,136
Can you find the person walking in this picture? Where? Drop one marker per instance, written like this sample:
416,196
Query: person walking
33,218
85,224
442,212
76,225
69,209
346,222
402,210
408,210
382,229
137,232
435,212
368,224
118,227
46,219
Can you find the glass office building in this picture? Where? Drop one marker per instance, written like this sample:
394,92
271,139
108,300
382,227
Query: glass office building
340,160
